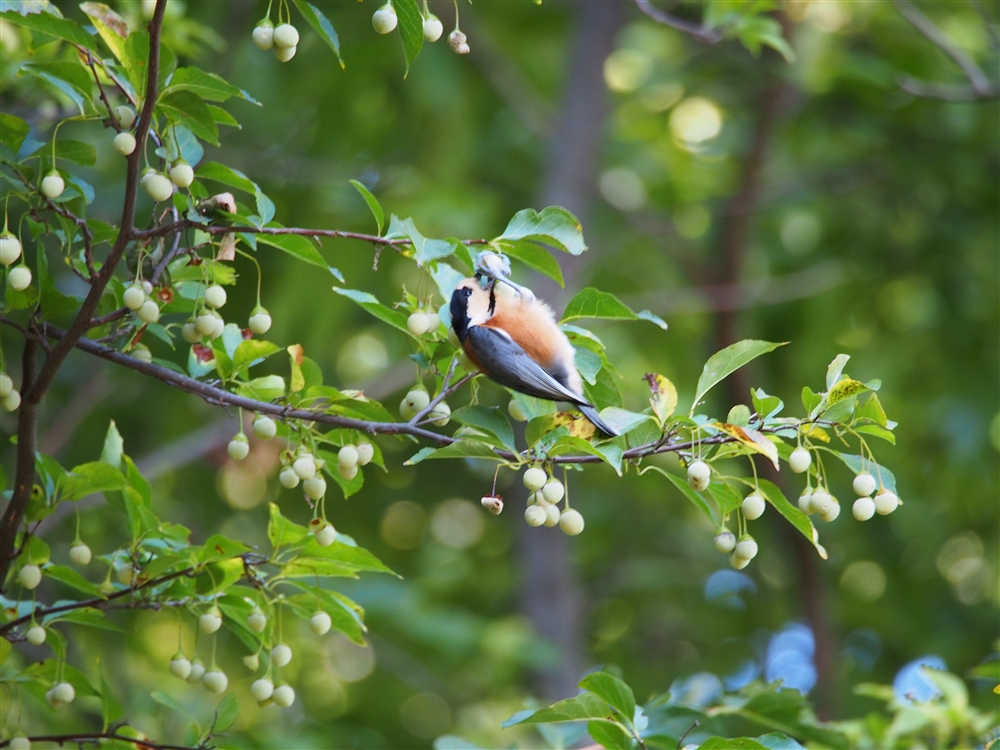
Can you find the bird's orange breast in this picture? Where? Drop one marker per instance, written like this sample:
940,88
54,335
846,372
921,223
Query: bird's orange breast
529,333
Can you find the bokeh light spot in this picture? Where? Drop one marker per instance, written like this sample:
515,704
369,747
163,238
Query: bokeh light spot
457,523
627,69
425,715
623,189
801,232
695,120
362,357
692,220
864,579
403,525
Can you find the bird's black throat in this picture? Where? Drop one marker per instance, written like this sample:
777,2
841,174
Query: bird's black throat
460,313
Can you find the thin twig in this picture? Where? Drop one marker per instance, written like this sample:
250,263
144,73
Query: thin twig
441,396
92,737
699,32
100,87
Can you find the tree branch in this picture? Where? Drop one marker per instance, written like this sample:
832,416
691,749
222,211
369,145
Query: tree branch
699,32
32,394
981,86
91,738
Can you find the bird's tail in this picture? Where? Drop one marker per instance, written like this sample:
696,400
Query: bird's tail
591,413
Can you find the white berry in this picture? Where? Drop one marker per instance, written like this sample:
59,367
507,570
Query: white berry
215,296
320,623
314,488
384,20
80,554
29,576
738,562
286,35
124,143
197,671
725,541
238,447
886,502
492,503
288,478
553,491
260,321
11,401
124,574
326,536
181,174
821,501
125,115
10,249
19,278
53,185
305,467
264,428
148,312
366,452
36,635
141,352
418,323
348,456
216,681
864,484
535,515
753,506
571,522
281,655
284,54
180,667
534,478
515,411
414,403
159,187
864,508
699,473
263,34
257,621
440,414
262,689
800,460
284,696
746,548
63,693
552,516
19,742
134,296
433,28
251,662
210,621
805,501
6,385
832,511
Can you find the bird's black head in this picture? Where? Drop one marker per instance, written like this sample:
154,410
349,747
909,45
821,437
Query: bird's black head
460,311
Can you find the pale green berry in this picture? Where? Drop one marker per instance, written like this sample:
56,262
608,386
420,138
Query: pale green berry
251,662
288,478
197,670
262,689
19,278
180,666
805,501
315,487
6,385
125,115
284,696
124,574
263,34
305,466
320,623
286,35
864,484
284,54
366,452
11,401
746,547
800,460
264,428
260,321
864,508
326,536
753,506
552,516
832,511
216,681
384,20
63,693
440,414
238,447
281,655
148,312
159,187
215,296
36,635
181,174
886,502
738,562
53,185
433,28
205,323
725,541
553,491
134,296
124,143
515,411
80,554
257,621
210,621
19,742
29,576
571,522
535,515
10,249
699,474
534,478
414,403
141,352
417,323
348,456
821,501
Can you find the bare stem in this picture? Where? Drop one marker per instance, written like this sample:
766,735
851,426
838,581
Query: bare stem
696,30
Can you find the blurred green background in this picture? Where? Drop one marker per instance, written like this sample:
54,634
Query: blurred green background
813,202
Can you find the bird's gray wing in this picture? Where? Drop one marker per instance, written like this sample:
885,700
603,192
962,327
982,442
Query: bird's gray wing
507,363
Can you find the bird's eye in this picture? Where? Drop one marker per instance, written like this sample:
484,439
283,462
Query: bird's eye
467,292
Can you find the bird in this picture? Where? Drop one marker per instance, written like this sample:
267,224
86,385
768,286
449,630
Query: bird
514,339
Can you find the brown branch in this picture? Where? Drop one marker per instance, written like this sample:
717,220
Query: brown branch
100,87
32,395
91,738
699,32
980,86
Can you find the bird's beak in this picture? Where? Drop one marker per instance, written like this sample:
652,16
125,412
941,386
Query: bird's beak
523,291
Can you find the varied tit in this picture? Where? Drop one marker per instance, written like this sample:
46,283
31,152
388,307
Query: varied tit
515,341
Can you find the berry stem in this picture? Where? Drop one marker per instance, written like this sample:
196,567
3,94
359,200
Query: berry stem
259,274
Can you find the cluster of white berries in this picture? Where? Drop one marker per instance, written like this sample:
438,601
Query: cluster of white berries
417,400
543,508
282,39
208,323
18,277
423,321
139,297
10,397
865,507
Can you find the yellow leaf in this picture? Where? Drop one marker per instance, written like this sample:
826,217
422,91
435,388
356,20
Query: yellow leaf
844,389
817,433
298,381
664,398
751,438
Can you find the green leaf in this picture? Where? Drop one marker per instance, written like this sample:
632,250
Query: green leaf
459,449
234,178
696,499
35,551
281,531
166,700
111,27
374,206
623,420
370,303
836,368
736,743
70,150
411,29
491,419
537,257
425,249
249,352
581,708
614,691
765,406
844,389
792,514
206,85
70,78
226,713
217,548
91,478
187,108
725,496
346,554
322,26
13,131
727,361
267,388
61,28
593,303
554,226
857,464
136,61
609,735
879,432
71,578
295,245
111,707
344,618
